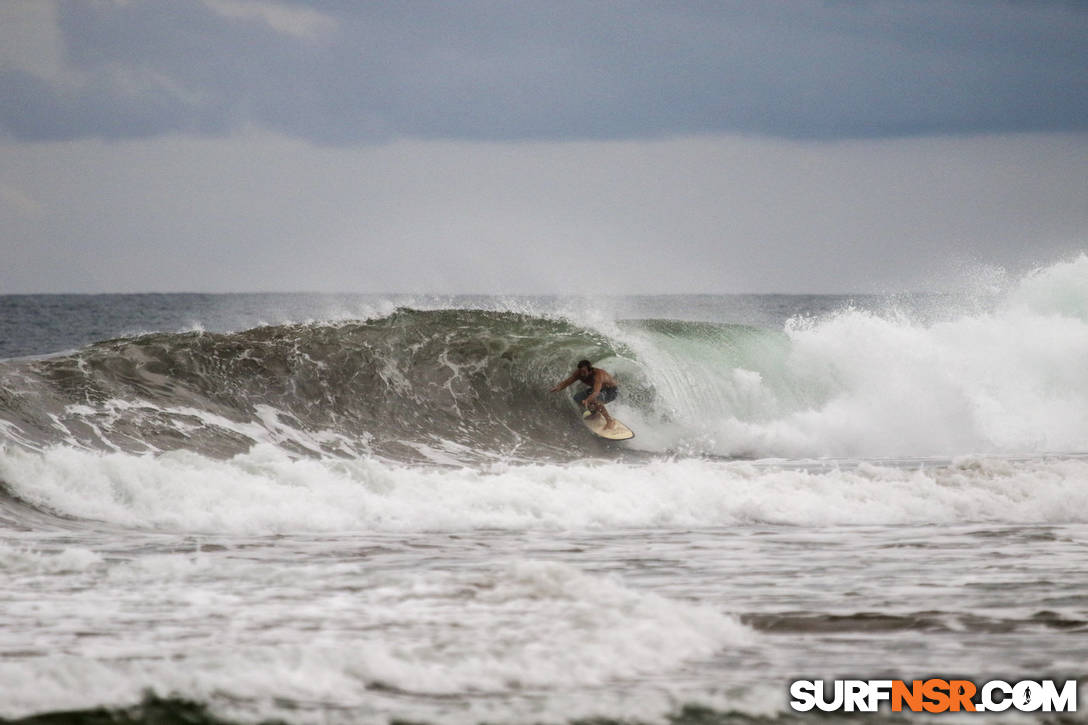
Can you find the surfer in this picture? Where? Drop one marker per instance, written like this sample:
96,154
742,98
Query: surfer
601,388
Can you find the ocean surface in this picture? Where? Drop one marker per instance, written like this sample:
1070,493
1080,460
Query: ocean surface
367,508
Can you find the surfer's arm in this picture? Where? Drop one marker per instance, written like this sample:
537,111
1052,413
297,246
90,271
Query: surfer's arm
564,384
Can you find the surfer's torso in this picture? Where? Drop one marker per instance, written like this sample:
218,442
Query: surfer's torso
591,377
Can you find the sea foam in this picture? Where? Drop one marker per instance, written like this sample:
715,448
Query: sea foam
867,383
522,626
267,491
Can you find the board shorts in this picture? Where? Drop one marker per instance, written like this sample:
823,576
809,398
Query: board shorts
607,395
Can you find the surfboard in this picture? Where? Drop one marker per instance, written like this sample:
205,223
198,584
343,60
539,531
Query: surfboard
618,432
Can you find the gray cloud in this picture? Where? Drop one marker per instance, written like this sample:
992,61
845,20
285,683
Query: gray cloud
365,72
710,214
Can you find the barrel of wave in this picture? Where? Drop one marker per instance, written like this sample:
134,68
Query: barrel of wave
697,380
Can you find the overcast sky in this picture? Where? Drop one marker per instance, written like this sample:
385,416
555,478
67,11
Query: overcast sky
244,145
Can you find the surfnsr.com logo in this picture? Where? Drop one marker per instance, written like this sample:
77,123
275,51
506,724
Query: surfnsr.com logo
933,695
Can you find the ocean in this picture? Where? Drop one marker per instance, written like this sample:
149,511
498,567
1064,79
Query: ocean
302,508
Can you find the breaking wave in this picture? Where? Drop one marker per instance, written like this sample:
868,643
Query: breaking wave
406,387
422,404
460,385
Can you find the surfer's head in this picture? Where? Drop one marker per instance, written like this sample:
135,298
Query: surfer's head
584,365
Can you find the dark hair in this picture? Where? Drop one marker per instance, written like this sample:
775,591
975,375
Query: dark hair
585,364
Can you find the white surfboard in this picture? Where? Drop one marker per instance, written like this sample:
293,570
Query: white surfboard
596,423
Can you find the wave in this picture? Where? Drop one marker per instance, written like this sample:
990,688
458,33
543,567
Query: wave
878,383
415,385
457,386
267,491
